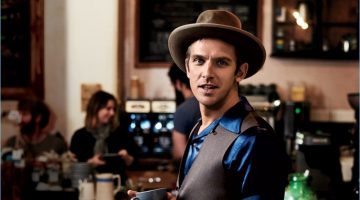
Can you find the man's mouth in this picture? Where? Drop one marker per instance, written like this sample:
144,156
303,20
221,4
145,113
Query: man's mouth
208,86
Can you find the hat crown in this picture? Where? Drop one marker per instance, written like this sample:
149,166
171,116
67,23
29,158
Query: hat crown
221,17
223,25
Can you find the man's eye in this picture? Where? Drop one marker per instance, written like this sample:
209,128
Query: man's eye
222,63
198,61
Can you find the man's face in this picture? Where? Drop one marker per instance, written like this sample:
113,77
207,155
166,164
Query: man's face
27,123
211,69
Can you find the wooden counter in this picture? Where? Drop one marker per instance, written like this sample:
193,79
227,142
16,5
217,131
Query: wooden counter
146,180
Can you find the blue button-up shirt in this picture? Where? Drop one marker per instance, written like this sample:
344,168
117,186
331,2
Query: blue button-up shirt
250,153
228,121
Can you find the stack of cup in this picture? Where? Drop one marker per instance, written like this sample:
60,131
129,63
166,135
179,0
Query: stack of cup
79,171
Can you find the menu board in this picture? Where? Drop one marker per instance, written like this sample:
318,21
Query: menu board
15,43
22,48
159,17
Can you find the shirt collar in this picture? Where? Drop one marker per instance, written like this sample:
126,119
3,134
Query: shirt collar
232,119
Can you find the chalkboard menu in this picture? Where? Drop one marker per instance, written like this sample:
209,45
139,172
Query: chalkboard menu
159,17
15,43
21,48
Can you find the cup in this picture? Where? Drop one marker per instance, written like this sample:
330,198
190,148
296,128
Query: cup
156,194
79,171
86,190
105,186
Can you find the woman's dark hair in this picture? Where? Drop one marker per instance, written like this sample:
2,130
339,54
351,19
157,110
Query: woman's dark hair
37,108
98,101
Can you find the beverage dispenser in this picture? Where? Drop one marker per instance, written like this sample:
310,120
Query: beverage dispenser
138,118
163,124
150,124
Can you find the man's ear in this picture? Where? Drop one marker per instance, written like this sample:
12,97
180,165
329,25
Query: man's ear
242,72
187,67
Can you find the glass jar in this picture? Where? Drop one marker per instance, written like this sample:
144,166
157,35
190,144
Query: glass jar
298,188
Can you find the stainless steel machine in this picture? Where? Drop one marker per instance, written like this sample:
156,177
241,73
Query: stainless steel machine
150,124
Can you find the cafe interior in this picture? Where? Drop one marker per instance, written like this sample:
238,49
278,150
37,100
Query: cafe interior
64,51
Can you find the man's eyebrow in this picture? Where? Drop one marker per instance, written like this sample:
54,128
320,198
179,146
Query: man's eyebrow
223,58
216,58
197,55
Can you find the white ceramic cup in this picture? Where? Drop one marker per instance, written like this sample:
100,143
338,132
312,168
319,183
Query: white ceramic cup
105,186
156,194
86,190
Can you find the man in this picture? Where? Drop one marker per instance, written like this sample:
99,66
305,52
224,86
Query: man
187,112
34,138
232,153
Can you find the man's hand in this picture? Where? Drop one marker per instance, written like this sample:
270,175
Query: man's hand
131,193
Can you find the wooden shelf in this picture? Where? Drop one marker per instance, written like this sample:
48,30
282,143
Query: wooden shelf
330,55
332,31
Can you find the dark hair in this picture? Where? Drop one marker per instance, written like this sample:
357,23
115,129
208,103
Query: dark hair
98,101
175,73
37,108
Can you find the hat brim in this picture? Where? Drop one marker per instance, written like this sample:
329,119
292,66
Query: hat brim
250,47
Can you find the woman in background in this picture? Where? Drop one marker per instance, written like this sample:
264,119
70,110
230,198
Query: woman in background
102,143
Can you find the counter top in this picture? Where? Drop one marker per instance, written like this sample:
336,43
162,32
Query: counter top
334,115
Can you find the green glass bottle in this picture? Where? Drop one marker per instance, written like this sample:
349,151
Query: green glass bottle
298,188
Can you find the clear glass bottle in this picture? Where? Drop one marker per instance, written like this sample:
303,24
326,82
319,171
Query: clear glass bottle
298,188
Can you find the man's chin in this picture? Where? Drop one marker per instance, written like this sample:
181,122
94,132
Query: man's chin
207,102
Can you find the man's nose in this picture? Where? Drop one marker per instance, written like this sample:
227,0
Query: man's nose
208,70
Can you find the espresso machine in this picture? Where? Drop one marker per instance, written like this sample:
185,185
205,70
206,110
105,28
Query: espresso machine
296,119
163,124
138,121
264,99
353,99
150,124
